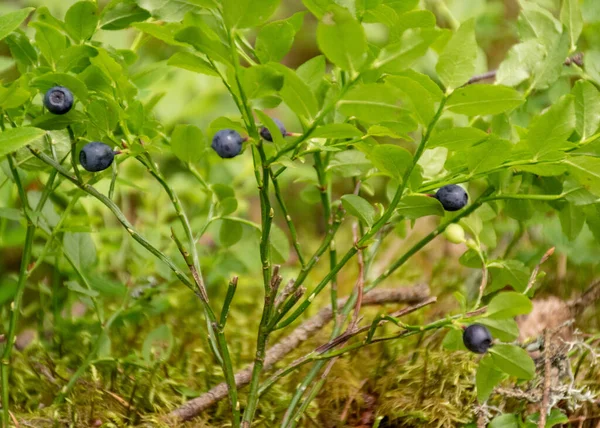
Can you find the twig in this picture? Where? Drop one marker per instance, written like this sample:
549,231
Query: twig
534,274
15,421
574,59
302,333
589,297
547,378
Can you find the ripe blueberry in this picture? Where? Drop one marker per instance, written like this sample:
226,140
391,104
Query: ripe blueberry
96,156
266,134
227,143
452,197
58,100
477,338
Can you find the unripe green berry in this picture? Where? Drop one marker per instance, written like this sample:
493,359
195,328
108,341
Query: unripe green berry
455,234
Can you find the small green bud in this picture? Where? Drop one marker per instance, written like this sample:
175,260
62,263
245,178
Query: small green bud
455,234
472,244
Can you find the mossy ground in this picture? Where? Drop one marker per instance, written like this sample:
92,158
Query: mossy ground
405,383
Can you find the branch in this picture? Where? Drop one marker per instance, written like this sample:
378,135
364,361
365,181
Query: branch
576,59
305,331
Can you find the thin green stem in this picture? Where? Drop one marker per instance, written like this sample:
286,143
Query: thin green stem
288,218
430,237
375,228
270,292
315,123
326,204
120,217
231,289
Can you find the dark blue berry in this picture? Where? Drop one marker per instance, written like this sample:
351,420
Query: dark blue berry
58,100
452,197
266,134
227,143
96,156
477,338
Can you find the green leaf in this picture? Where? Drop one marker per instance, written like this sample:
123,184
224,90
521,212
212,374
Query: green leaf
421,99
15,95
230,232
77,288
349,163
21,50
297,94
172,10
342,39
312,71
158,344
359,208
549,70
10,21
371,102
275,40
508,305
51,42
508,420
456,64
572,219
536,22
587,108
247,13
508,272
106,286
487,378
458,139
119,14
317,7
396,129
488,155
481,100
103,114
188,143
206,41
189,61
14,138
520,63
505,329
413,45
81,20
453,341
556,417
513,360
162,31
586,170
261,81
571,17
391,160
81,249
337,131
416,206
413,19
550,130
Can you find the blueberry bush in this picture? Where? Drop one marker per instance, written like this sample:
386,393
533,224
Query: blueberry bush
192,191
